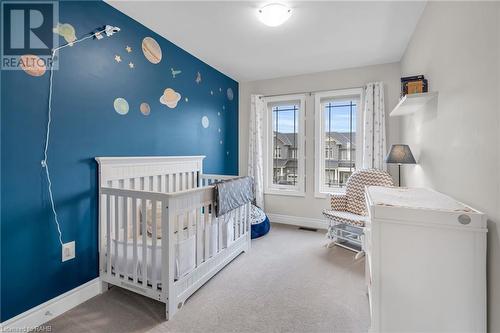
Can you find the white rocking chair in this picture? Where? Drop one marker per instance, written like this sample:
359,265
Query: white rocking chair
348,215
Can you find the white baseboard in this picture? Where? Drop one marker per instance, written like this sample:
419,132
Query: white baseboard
306,222
52,308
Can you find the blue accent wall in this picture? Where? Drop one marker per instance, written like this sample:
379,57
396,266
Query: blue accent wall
85,124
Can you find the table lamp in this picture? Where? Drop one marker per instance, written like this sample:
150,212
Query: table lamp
400,154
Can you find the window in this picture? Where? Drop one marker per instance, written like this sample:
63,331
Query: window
277,152
338,121
284,156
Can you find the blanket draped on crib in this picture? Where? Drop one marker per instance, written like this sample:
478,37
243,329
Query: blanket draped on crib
233,193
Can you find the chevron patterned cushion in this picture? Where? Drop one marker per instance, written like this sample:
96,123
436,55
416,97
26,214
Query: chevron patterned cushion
338,202
355,188
345,217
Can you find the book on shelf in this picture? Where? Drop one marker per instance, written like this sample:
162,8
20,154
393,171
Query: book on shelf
412,78
413,85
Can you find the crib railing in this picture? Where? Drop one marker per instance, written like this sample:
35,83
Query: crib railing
132,255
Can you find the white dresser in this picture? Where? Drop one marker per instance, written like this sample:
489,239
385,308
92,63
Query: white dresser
425,262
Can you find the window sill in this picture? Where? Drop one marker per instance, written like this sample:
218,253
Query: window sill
290,193
326,194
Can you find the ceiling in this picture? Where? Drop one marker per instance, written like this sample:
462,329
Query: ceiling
319,36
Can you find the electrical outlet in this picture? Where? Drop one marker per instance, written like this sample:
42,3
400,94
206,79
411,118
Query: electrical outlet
68,251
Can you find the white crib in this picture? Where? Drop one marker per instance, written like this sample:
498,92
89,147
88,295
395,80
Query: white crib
145,198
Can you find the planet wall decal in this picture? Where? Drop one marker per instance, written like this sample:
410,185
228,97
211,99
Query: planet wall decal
151,50
145,109
121,106
170,98
205,122
66,31
32,65
230,94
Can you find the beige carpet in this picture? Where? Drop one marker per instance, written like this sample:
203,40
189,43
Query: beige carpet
288,282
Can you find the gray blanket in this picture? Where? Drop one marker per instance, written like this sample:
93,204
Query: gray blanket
233,193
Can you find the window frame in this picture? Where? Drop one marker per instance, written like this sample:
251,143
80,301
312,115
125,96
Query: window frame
269,187
319,145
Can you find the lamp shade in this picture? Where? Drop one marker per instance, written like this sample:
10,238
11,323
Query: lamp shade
400,154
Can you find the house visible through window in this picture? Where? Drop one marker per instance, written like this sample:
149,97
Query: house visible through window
285,127
285,146
337,117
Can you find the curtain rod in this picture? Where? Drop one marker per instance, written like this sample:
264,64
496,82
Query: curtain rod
307,92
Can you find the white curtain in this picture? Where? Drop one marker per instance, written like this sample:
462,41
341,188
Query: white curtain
374,140
256,148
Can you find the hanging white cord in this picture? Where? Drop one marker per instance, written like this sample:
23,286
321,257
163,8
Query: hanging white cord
45,165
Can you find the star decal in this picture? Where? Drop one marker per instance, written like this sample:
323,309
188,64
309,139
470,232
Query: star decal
131,65
118,58
129,49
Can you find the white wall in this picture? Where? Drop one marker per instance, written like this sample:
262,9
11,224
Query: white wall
311,207
456,139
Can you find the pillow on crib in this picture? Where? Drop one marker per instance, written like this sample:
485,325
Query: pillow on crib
149,219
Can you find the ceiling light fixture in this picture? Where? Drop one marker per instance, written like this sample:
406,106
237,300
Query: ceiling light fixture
274,14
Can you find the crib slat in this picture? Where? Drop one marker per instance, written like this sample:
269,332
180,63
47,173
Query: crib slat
236,223
154,184
117,233
125,237
108,233
208,231
180,227
164,188
134,234
240,220
220,223
231,218
153,249
170,183
176,182
144,264
245,219
189,215
234,216
199,236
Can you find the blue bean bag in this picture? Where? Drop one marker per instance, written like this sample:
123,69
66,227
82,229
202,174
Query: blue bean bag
260,222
